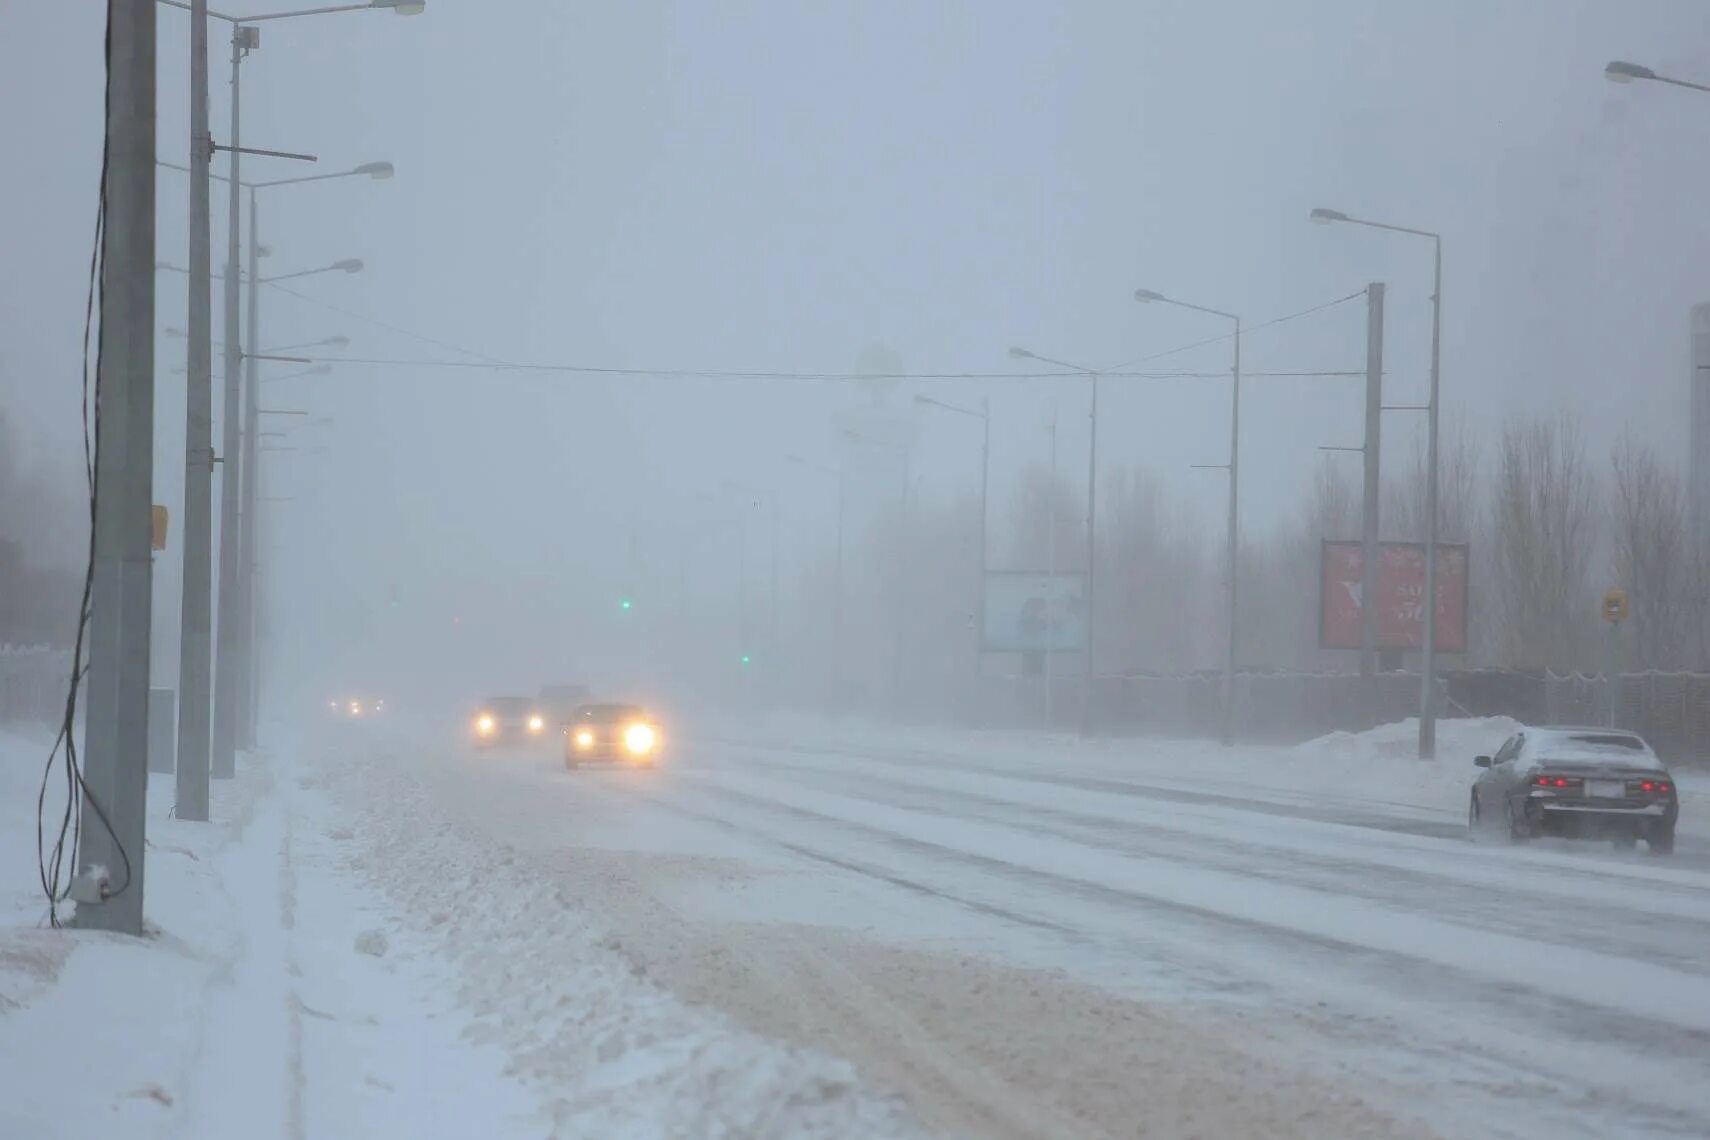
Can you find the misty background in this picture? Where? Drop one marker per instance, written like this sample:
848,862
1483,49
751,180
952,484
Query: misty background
889,186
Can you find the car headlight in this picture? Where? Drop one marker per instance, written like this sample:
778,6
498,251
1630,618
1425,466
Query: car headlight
536,724
355,708
484,724
584,738
639,738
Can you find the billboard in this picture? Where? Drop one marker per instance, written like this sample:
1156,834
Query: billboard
1400,596
1032,613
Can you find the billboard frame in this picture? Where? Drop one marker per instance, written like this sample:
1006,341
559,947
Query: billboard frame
986,645
1324,545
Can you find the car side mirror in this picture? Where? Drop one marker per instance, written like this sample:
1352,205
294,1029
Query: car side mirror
1481,761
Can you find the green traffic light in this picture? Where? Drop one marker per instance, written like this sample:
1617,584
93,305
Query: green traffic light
625,603
746,659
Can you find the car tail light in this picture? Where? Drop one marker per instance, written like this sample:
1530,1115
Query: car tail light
1650,787
1556,782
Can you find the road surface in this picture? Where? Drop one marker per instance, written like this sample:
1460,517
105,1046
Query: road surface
1047,947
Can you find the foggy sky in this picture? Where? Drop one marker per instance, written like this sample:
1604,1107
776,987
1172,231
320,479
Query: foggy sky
765,186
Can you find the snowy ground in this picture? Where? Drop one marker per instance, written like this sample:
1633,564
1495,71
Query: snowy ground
326,967
796,928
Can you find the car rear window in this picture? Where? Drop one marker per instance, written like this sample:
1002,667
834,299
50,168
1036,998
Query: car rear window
1608,740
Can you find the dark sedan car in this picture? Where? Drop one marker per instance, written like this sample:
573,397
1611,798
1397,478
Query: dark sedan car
508,720
1577,783
626,734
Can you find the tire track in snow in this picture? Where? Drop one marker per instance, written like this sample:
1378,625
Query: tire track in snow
1603,1036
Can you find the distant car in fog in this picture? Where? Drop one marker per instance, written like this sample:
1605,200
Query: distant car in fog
1577,783
508,720
613,732
560,702
355,708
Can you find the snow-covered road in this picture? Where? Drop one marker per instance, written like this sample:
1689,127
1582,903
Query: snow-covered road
1041,940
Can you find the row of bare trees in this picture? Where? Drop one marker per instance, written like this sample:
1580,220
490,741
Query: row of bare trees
1549,525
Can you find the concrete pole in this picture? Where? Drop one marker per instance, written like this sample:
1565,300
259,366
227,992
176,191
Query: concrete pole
248,520
1369,505
1051,564
837,601
1092,553
195,621
229,642
1233,541
109,885
1428,655
985,553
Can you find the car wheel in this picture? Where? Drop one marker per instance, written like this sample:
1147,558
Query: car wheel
1662,843
1518,829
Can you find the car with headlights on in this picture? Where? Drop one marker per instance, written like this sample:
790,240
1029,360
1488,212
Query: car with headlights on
1575,783
560,702
625,734
508,721
355,707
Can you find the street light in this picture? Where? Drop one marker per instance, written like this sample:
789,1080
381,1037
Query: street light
1092,374
1233,467
1620,71
1428,649
984,415
195,745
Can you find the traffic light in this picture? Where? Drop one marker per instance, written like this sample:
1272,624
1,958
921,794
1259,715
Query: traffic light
625,604
747,660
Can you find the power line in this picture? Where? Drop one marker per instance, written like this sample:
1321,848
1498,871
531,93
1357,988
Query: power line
1249,331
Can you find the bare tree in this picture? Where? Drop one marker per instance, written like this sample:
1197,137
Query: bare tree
1544,521
1457,490
1649,554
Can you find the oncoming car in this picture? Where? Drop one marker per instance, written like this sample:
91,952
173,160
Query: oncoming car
1577,783
508,720
355,708
623,733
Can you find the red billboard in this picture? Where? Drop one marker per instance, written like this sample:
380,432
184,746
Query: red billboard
1400,596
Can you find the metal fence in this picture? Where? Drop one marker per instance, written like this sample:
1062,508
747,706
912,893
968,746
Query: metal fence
32,684
1671,710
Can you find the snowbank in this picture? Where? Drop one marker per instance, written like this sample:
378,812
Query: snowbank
607,1051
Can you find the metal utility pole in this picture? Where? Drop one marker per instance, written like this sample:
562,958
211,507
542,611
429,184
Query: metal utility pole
195,622
227,683
245,667
985,554
109,883
1369,503
1233,467
1092,553
1051,565
1428,655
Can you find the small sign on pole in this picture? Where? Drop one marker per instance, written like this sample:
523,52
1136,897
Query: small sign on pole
158,518
1615,604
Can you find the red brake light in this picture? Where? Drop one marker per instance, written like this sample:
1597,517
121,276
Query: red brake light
1647,786
1664,788
1541,781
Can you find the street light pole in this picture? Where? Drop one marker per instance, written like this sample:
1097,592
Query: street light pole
190,778
228,641
1428,640
1093,375
984,415
1233,538
1428,656
245,663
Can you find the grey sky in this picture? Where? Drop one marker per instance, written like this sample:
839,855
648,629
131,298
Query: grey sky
773,186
